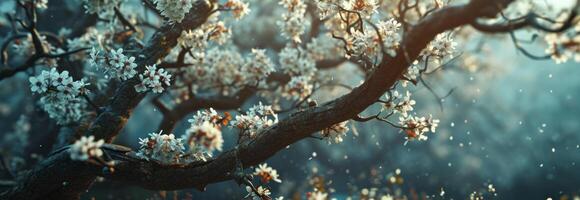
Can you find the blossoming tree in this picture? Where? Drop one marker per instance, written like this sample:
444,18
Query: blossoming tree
195,58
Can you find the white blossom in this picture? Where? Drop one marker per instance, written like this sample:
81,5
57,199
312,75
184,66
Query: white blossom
115,64
327,7
261,193
101,7
365,8
154,79
293,24
218,32
258,66
416,127
267,173
175,10
412,73
208,115
238,8
86,148
196,39
163,148
296,62
256,119
299,87
60,95
361,43
441,47
335,132
389,31
205,137
564,46
399,103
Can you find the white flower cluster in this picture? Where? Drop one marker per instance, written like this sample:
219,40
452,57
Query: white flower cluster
86,148
389,31
162,147
257,67
238,8
258,118
296,62
416,127
227,71
327,7
267,173
411,74
299,87
263,193
60,95
101,7
293,24
361,43
368,43
404,104
563,46
204,138
365,8
197,39
219,68
335,132
175,10
204,134
440,48
218,32
115,64
366,40
209,115
154,79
